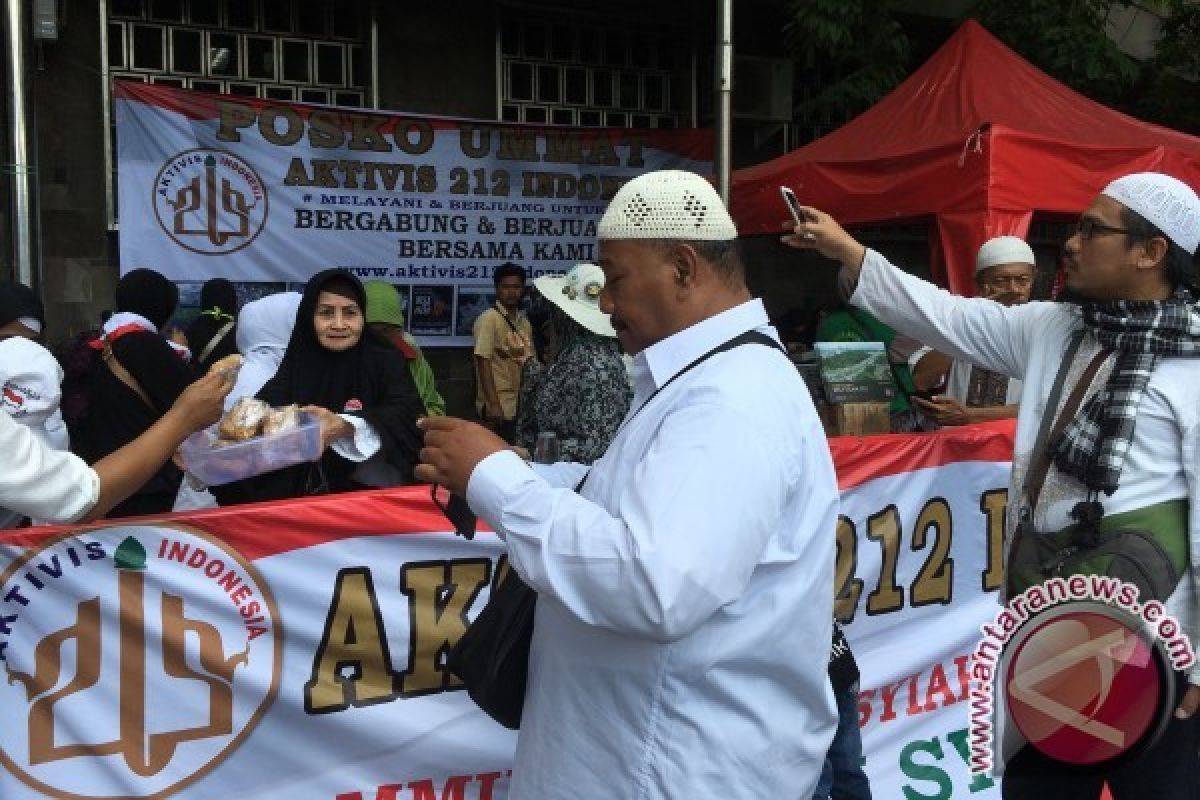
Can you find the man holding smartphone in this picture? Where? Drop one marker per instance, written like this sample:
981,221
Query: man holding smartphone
1004,272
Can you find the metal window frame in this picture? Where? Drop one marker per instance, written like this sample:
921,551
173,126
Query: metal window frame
527,107
508,93
220,4
141,7
256,27
312,67
147,6
255,85
360,99
275,65
239,73
671,79
537,83
327,6
217,84
343,57
322,89
163,39
171,68
280,87
262,19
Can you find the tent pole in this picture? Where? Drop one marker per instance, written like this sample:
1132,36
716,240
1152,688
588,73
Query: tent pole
724,98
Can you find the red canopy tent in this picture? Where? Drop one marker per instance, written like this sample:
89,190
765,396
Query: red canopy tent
978,138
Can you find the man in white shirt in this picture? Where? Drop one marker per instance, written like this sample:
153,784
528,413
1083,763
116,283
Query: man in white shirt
1134,444
684,594
1004,271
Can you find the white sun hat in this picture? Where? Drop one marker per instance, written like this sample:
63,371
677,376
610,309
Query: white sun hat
668,204
578,295
1003,250
1167,203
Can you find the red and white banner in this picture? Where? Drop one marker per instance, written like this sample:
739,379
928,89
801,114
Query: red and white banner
271,192
296,649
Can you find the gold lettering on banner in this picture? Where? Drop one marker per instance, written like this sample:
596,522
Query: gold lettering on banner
354,642
353,664
994,505
440,594
144,753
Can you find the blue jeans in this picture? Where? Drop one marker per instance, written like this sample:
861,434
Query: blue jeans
842,777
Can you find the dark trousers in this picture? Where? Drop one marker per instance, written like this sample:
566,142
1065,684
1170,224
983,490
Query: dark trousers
1170,770
842,777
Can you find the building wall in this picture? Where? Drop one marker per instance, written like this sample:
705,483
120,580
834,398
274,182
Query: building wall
77,271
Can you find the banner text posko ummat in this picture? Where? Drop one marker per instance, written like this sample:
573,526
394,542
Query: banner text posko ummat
267,194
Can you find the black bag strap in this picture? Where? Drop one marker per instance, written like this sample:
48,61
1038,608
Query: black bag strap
221,333
1053,421
748,337
504,317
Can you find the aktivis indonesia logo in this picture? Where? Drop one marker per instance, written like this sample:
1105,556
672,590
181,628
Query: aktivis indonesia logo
209,201
136,658
1080,670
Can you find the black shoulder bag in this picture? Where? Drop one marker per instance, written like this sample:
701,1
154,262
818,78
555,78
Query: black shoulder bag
492,657
1095,545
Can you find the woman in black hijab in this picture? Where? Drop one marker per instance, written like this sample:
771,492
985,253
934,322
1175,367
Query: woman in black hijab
136,378
213,335
363,395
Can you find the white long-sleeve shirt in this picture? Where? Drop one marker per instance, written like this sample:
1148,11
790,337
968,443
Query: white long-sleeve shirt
41,482
1028,342
684,607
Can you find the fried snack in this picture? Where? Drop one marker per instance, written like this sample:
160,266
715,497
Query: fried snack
228,364
280,420
244,420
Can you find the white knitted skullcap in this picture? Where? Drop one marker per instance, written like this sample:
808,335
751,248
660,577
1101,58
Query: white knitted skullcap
1003,250
669,204
1167,203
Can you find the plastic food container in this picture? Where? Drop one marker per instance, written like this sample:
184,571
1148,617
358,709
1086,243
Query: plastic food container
232,461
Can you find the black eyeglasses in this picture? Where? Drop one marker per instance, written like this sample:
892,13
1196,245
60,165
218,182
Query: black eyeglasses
1088,227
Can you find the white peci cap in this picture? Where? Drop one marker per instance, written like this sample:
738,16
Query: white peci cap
1003,250
1167,203
669,204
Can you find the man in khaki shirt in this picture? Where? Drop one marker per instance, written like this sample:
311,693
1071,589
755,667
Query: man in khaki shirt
497,371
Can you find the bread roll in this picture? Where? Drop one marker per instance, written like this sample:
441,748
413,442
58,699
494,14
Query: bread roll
230,363
244,420
280,420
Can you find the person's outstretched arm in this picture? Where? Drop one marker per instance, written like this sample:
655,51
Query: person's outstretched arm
124,472
58,486
981,331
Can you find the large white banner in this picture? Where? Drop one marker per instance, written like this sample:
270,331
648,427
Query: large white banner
920,564
296,649
271,193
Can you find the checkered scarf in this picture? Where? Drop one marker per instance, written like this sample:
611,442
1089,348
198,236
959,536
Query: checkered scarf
1093,446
